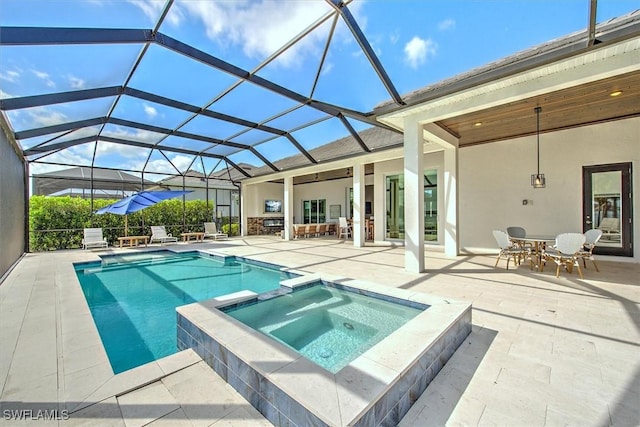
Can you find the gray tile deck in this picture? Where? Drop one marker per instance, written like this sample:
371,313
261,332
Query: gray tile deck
543,351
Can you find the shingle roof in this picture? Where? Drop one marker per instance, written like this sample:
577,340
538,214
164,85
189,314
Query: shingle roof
553,50
375,139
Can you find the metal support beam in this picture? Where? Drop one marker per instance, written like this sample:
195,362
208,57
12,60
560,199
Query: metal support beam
181,134
197,110
593,7
301,148
354,134
341,7
25,36
193,53
59,128
67,144
264,159
58,98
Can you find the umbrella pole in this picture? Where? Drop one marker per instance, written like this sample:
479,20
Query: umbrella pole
126,225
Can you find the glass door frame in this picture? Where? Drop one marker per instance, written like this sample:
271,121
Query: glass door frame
401,229
626,198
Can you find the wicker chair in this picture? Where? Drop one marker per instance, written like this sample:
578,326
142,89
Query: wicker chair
508,249
565,252
591,239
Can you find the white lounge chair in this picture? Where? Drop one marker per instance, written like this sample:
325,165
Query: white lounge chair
159,234
93,239
211,230
610,228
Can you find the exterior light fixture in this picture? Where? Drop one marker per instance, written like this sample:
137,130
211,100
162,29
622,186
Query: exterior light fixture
537,179
616,93
476,124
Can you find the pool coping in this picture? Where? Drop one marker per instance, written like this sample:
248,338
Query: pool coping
377,387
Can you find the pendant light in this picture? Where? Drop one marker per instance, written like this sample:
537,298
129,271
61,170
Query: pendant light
537,179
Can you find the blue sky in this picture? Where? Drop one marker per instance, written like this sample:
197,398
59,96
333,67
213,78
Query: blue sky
419,42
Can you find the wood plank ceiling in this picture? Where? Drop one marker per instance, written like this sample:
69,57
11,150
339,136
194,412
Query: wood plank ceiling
577,106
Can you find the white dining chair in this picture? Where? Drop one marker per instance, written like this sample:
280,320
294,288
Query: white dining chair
345,229
508,249
591,238
565,252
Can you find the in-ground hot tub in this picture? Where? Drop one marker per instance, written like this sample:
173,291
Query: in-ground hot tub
376,387
327,325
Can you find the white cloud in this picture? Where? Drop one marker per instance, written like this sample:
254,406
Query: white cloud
447,24
394,37
133,134
153,8
10,76
327,67
262,27
126,151
72,157
418,50
45,116
150,111
76,82
180,161
44,77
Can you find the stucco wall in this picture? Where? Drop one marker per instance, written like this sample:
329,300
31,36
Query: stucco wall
495,178
12,205
335,193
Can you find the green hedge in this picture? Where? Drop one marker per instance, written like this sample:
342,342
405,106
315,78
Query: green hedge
58,222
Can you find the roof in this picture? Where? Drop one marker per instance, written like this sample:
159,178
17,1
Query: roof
81,177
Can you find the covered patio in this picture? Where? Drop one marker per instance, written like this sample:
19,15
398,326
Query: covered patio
543,351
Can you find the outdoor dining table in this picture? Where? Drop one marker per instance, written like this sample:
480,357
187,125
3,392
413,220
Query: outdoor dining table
539,242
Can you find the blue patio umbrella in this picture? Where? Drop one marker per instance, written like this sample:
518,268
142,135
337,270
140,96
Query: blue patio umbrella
138,201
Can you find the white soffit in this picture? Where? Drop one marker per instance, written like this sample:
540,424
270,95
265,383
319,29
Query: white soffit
617,59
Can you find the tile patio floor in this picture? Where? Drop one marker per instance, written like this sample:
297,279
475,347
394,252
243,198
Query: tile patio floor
543,351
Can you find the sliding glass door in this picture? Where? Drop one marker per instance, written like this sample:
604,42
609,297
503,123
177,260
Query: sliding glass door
431,206
395,206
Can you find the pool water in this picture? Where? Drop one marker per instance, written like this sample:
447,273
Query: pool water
133,298
327,325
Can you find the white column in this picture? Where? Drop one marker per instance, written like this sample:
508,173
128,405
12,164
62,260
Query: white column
243,210
358,205
449,223
451,238
413,196
288,208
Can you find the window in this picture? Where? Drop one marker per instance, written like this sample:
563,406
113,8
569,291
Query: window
314,211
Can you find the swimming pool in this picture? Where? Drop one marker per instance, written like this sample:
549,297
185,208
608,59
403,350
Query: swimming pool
327,325
133,298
